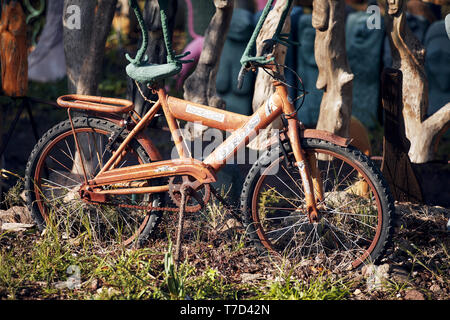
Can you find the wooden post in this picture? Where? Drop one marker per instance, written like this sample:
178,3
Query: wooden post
396,166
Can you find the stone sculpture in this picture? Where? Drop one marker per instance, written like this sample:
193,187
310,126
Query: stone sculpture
364,48
437,66
307,69
47,62
292,52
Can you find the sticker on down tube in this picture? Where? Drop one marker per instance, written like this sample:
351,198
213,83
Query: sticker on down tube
236,139
205,113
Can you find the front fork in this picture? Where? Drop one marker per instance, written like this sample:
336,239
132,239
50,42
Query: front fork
310,174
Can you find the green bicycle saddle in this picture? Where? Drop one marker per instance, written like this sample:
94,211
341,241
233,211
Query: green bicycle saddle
152,72
139,69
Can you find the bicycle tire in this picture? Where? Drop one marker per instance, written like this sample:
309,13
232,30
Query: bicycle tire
42,154
258,224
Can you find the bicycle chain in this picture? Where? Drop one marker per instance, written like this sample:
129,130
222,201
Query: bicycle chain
133,206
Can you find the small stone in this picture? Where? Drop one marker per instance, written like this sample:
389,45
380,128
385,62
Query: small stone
399,274
414,295
249,277
375,276
16,214
94,284
357,292
16,227
435,288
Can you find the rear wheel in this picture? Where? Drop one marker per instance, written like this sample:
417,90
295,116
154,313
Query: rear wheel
54,175
355,214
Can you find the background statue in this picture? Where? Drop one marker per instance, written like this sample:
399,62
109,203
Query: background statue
307,69
437,66
335,76
47,61
241,29
364,46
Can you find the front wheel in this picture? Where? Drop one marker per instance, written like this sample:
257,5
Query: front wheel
355,215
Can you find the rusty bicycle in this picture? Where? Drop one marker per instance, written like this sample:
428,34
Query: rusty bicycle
311,194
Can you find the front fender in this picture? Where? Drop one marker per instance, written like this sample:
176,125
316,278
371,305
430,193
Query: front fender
325,135
314,134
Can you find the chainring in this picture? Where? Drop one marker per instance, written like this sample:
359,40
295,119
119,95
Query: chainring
195,199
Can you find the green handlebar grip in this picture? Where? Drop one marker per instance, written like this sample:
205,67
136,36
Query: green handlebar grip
278,36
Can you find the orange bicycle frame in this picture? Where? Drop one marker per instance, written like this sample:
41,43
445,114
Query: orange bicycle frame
242,128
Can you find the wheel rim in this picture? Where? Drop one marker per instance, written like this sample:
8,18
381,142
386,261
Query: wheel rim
350,224
56,185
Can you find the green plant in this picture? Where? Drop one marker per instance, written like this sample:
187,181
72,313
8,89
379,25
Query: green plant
175,278
212,285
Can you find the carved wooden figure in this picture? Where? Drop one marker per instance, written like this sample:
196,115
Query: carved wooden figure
408,56
13,49
263,84
335,76
396,166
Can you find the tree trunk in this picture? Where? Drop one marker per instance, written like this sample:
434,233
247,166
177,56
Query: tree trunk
85,47
408,55
200,86
335,76
263,84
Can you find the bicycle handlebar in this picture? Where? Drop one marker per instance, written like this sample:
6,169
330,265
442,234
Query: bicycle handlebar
247,60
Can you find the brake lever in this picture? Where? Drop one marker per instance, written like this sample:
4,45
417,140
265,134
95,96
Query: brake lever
241,76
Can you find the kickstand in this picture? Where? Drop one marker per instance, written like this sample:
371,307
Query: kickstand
180,224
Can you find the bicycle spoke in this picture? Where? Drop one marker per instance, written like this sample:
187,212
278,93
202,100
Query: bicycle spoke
105,224
347,221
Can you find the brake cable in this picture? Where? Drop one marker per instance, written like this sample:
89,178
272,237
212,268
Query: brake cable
302,89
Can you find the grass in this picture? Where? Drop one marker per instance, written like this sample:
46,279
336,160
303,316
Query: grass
34,265
217,265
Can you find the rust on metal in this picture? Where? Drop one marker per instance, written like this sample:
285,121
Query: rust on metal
148,116
94,103
208,116
77,146
166,168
